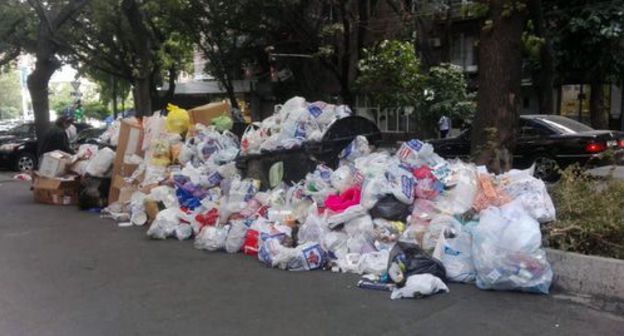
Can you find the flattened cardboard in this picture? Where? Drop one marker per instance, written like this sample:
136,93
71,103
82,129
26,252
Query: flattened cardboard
205,113
130,141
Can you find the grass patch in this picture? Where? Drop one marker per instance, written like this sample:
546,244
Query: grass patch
590,215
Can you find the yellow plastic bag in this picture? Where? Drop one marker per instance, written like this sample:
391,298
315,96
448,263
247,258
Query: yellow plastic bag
178,120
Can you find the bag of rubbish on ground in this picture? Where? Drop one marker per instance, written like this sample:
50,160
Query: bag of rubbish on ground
454,249
236,236
407,259
178,120
314,227
460,197
212,238
419,285
436,227
165,224
507,251
100,165
305,257
520,184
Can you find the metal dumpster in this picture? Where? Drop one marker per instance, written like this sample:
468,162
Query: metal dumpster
301,160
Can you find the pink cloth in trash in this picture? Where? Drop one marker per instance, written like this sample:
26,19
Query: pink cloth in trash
339,203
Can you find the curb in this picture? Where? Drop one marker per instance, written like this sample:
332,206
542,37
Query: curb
588,275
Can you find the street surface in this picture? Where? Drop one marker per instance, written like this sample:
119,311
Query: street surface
66,272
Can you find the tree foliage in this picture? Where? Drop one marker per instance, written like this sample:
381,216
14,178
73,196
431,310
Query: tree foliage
10,94
448,93
390,73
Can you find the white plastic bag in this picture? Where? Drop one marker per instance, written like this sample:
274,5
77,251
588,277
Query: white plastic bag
401,182
314,227
164,224
101,163
373,263
357,148
419,285
342,178
460,197
506,251
456,254
211,238
236,236
436,228
183,231
532,192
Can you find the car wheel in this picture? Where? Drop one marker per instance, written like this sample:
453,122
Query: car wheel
546,168
25,162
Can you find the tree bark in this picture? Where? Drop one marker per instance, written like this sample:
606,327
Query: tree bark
45,65
114,96
544,77
598,113
498,98
142,97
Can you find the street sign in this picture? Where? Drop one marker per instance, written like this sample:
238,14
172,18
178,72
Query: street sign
76,85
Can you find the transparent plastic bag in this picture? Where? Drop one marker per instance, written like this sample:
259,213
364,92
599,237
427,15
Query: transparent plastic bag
211,238
507,251
236,236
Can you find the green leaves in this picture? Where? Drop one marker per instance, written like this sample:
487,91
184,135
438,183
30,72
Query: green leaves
390,74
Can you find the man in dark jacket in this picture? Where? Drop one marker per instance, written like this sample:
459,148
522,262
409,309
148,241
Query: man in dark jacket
56,138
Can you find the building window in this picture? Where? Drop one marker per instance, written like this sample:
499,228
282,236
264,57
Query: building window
463,52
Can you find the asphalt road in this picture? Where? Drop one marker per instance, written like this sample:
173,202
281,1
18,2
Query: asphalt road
66,272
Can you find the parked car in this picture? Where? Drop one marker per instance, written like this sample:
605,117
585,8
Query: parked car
89,136
549,141
18,146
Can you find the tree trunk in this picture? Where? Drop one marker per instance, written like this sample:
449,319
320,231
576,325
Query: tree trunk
142,97
599,114
498,98
229,89
114,96
544,77
37,82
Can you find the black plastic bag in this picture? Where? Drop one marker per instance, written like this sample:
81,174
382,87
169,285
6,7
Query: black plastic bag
408,259
93,192
388,207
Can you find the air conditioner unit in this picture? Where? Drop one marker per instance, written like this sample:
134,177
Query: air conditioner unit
435,42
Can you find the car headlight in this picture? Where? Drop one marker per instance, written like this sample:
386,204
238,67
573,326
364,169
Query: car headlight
8,147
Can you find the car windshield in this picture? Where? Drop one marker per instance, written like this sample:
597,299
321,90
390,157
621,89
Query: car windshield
563,125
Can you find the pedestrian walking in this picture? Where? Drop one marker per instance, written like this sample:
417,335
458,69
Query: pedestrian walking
444,125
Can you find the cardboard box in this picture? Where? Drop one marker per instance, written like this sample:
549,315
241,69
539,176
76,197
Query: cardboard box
205,113
54,164
129,144
56,191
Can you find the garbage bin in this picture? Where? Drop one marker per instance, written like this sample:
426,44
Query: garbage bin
301,160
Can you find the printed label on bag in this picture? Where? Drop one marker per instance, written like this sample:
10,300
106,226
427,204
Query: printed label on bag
450,251
315,110
214,179
300,131
407,186
313,256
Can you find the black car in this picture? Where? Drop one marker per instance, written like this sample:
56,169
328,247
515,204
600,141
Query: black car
549,141
18,146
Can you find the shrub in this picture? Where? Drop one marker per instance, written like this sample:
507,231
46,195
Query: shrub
590,215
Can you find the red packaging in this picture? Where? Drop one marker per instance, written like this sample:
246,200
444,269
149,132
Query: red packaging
250,246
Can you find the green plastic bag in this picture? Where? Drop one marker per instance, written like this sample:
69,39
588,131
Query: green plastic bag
276,174
223,123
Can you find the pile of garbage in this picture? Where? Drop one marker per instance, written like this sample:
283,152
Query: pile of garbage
409,222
